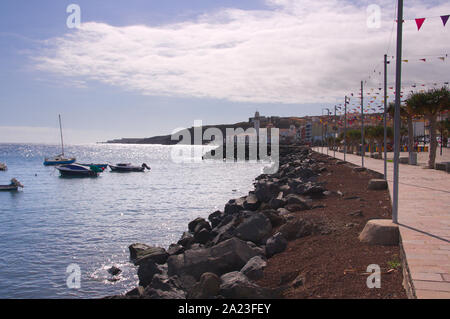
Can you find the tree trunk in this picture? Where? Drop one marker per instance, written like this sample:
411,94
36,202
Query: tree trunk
410,135
433,143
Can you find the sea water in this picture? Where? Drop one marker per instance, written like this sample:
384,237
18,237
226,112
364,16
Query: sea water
55,222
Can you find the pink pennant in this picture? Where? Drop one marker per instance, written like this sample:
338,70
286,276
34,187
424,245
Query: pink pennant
419,22
445,19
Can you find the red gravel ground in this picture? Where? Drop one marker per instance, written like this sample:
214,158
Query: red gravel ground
334,265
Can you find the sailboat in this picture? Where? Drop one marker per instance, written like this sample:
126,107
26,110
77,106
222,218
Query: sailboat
59,159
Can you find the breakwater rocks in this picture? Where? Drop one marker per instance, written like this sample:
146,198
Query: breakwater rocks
222,256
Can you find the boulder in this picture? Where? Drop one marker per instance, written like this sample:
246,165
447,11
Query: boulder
255,227
114,270
186,240
275,244
215,218
264,191
208,287
175,249
301,202
203,236
198,224
380,232
277,202
377,184
254,268
136,292
164,287
298,228
229,255
251,202
234,206
147,269
275,219
235,285
139,252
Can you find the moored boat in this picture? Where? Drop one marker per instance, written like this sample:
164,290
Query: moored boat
3,167
59,159
128,167
101,166
13,186
77,170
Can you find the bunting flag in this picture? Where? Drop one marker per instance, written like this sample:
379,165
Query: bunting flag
419,22
424,60
445,19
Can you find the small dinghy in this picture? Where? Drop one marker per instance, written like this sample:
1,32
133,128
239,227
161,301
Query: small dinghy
14,186
128,168
3,167
77,170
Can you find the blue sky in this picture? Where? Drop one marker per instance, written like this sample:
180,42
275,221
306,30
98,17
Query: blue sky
141,68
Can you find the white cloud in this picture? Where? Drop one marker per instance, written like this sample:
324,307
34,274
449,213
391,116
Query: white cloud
296,51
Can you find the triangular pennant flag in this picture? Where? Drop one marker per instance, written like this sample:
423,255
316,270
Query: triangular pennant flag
442,58
419,22
405,60
424,60
445,19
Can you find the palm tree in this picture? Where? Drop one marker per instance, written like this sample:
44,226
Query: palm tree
369,134
429,104
407,112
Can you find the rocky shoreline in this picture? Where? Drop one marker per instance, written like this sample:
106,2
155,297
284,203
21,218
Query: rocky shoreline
224,256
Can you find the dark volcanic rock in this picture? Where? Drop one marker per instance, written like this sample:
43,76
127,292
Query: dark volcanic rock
208,287
251,202
226,256
299,227
215,218
114,270
139,252
234,206
275,219
255,228
164,287
198,224
147,269
254,268
186,240
275,244
235,285
175,249
203,236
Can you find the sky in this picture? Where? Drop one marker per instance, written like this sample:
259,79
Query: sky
140,68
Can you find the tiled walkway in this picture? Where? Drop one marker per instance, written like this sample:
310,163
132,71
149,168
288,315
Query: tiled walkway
424,219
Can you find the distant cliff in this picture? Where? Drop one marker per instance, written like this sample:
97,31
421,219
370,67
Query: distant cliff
167,139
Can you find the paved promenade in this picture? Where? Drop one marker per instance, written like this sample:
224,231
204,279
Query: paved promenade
424,219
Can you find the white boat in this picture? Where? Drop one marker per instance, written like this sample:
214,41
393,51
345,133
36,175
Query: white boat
3,167
59,159
77,170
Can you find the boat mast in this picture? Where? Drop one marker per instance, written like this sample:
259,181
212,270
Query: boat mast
60,129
